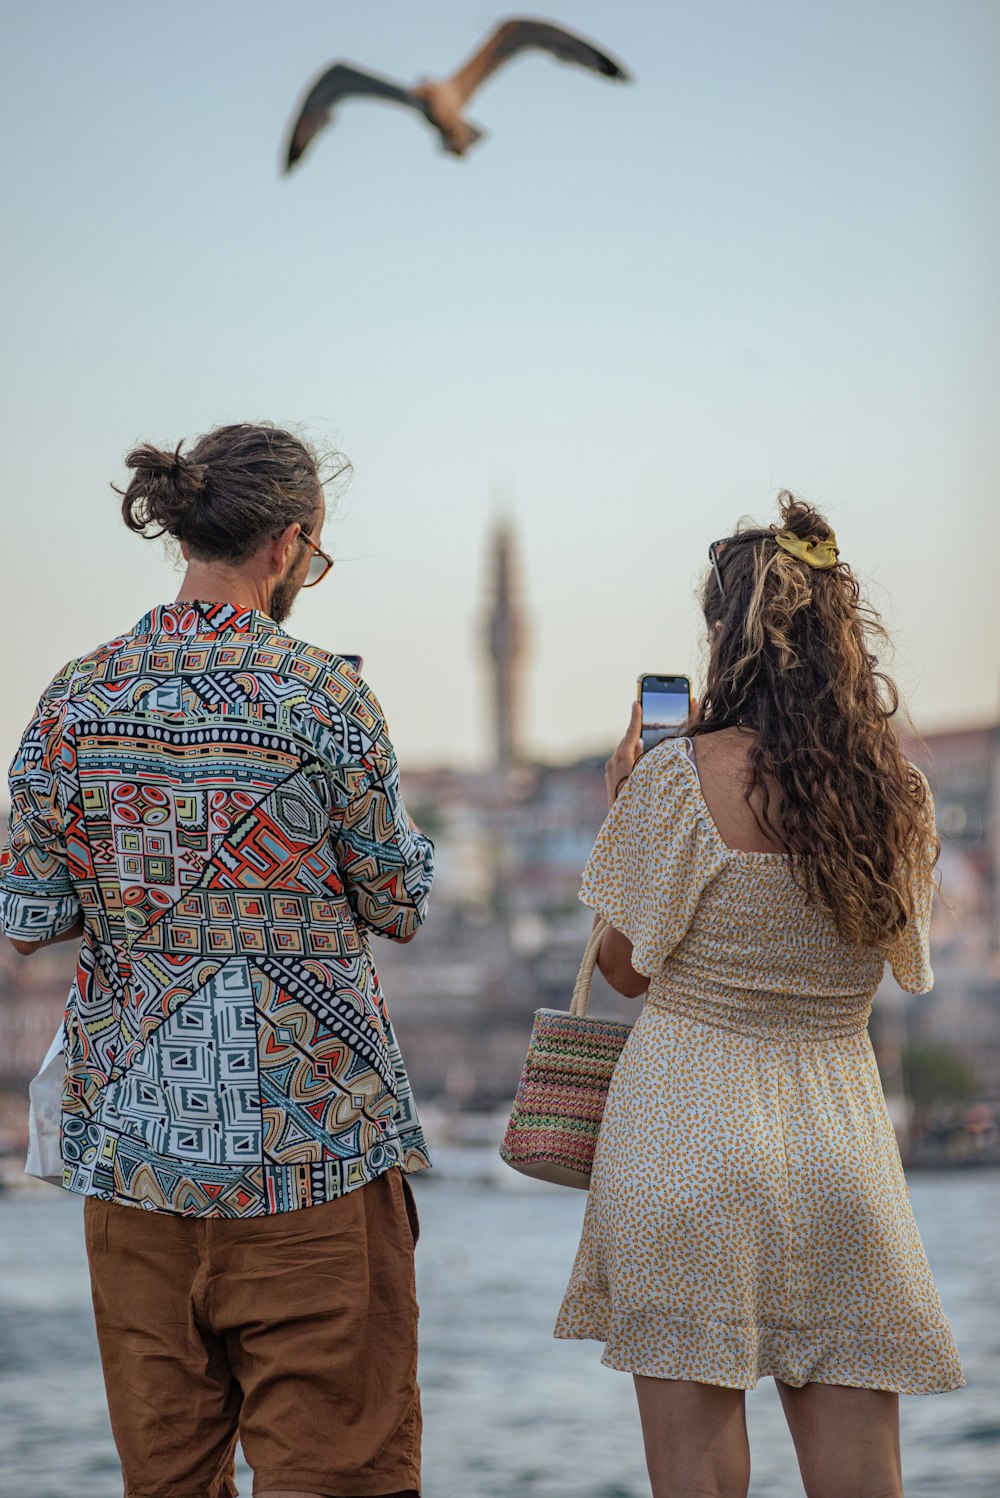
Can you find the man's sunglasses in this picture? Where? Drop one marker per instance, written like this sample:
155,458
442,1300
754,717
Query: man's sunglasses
319,563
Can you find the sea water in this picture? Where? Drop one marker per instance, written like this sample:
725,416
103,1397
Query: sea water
509,1412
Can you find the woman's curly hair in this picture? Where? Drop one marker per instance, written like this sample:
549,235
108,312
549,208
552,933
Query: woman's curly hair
791,659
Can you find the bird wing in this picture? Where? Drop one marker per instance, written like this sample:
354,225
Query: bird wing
340,82
515,36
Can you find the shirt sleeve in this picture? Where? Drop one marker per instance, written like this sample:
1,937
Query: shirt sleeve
38,899
909,955
386,865
653,857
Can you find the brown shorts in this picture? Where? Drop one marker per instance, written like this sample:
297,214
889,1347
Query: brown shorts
296,1332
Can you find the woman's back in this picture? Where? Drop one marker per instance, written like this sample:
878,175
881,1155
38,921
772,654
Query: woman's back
747,1200
748,1215
723,763
713,914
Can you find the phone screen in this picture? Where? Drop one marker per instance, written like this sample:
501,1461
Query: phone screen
666,703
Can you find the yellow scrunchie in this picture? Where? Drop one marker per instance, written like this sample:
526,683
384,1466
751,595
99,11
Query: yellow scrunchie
818,554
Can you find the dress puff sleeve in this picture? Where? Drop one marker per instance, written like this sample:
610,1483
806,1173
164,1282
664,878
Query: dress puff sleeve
654,856
910,953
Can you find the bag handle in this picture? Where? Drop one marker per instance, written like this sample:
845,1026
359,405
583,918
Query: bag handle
581,993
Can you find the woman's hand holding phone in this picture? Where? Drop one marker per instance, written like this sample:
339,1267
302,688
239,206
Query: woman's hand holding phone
621,764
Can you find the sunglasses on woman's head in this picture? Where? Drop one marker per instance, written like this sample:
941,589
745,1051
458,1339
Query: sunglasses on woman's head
717,550
714,552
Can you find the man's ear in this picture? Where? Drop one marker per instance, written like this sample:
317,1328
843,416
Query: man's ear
283,544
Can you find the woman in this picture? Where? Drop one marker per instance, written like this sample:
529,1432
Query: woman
748,1215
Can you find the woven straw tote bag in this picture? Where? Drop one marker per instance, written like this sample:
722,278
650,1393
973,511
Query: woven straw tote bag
560,1098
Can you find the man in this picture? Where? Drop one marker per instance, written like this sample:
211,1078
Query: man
214,807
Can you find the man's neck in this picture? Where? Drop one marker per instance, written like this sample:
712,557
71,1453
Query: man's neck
243,589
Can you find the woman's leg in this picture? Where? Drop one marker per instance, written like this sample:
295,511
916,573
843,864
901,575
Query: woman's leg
846,1440
695,1437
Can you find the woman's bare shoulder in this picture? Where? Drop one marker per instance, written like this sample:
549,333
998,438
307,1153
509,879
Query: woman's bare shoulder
723,761
726,746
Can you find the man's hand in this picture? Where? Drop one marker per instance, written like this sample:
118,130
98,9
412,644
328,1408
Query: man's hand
621,764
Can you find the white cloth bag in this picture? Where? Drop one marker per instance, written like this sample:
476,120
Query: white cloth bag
44,1115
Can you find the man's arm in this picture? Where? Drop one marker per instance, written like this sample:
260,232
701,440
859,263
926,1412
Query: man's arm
72,933
385,862
38,900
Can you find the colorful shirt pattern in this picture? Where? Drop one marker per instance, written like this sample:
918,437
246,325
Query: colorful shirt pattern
748,1215
220,804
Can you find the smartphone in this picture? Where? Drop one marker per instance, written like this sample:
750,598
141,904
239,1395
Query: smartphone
357,661
666,705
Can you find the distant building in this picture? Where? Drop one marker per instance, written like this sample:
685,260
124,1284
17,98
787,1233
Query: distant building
505,642
963,767
962,1013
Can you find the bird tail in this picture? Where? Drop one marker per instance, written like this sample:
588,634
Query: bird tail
458,144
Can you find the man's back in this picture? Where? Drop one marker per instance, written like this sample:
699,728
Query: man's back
221,803
212,809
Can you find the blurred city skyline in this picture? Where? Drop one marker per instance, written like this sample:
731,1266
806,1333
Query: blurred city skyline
629,317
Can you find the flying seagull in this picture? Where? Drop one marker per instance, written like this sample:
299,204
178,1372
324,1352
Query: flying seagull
441,103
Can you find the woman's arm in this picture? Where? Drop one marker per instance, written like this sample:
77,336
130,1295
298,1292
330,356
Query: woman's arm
615,956
615,963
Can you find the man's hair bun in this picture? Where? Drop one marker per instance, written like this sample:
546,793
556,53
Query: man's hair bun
239,484
165,488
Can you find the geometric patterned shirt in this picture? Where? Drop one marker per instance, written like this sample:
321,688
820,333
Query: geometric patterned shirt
220,804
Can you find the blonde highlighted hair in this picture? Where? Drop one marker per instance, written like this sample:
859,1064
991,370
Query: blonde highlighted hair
792,659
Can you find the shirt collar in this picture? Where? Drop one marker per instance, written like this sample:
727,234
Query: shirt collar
194,617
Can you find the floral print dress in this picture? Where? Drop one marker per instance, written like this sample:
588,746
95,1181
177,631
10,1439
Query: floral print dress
748,1215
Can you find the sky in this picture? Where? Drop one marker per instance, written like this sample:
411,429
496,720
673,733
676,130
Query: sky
629,317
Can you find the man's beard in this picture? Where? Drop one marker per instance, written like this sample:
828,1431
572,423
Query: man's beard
286,590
